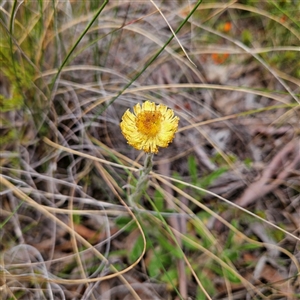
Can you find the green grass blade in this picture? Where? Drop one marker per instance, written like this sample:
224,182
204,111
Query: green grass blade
77,42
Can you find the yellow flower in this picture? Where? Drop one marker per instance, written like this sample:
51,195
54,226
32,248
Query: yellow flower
149,127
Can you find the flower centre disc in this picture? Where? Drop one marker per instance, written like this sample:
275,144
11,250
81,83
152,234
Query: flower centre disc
148,122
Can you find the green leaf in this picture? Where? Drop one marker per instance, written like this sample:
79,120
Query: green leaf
224,273
210,178
136,250
192,166
207,284
205,240
249,247
171,276
154,267
188,244
230,254
127,222
158,200
231,276
76,218
173,249
248,162
247,37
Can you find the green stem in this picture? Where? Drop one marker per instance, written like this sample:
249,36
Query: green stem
77,42
142,181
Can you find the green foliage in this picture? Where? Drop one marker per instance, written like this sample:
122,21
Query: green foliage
161,265
233,246
154,268
10,104
19,74
76,218
162,253
136,250
169,247
191,243
203,181
126,223
10,136
17,295
220,161
247,37
205,240
158,200
207,284
231,276
171,276
207,180
276,234
10,216
192,167
248,162
248,247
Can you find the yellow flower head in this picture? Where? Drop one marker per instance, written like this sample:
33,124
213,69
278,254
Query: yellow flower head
151,126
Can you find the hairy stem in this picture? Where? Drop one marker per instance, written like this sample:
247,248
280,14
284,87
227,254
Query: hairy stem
142,181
